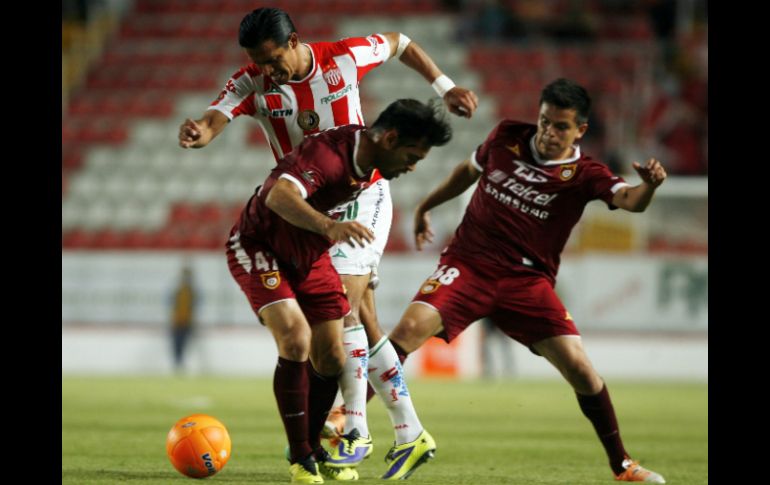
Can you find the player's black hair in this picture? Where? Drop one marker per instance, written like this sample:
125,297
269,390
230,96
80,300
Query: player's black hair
414,121
265,24
566,94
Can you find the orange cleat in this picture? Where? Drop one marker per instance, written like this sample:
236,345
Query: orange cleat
637,473
334,425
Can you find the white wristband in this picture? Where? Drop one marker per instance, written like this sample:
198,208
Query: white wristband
442,84
403,41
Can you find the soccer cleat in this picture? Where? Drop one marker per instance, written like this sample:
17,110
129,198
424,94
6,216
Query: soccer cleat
334,425
351,450
305,471
339,474
404,459
637,473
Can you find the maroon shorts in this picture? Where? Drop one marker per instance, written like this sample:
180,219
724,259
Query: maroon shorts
320,294
521,303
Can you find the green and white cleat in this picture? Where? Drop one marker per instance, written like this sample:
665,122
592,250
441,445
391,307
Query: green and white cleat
351,450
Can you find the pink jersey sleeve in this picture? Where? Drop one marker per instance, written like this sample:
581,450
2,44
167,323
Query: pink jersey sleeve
237,97
368,52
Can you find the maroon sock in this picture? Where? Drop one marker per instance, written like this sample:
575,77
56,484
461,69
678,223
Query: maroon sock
323,390
290,385
598,409
402,354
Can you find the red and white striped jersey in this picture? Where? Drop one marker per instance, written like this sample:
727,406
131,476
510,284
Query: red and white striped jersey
327,97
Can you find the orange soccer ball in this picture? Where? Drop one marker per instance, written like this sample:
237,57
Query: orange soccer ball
198,446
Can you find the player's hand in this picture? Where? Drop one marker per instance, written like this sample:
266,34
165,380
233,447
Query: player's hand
422,231
351,232
189,133
651,172
461,101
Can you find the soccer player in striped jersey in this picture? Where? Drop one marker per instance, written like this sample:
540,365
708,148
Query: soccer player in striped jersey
293,90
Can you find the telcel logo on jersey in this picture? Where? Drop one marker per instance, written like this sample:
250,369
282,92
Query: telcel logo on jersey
335,96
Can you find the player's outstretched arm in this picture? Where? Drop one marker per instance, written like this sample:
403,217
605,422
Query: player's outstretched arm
460,101
199,133
286,200
637,198
463,176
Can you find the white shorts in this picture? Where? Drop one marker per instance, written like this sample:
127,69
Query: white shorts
374,209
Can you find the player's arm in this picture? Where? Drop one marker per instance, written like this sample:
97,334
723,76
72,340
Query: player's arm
462,177
459,101
199,133
285,199
637,198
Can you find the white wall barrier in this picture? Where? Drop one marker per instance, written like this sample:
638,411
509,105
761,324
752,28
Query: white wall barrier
642,317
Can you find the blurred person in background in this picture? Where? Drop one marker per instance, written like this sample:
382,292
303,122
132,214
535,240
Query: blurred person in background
293,90
492,338
533,184
183,304
278,253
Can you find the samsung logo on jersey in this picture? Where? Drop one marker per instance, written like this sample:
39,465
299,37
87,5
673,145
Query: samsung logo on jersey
335,96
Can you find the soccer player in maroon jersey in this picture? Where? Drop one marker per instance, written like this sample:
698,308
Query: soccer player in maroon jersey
294,90
533,184
278,254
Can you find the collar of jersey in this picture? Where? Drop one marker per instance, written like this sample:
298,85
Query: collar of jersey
312,70
547,163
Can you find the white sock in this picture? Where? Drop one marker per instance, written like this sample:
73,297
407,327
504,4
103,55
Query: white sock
354,378
387,378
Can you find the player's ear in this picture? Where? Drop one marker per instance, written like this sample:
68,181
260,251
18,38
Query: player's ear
293,40
390,139
582,127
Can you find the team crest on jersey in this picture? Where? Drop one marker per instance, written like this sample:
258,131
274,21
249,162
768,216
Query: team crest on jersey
429,287
271,280
308,119
567,171
333,76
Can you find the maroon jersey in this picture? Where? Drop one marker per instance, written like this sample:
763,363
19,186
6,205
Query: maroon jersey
323,168
524,208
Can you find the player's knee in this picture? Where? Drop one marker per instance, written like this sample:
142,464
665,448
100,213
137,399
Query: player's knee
406,334
330,362
295,344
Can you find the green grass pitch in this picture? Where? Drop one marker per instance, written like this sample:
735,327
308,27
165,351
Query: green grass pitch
488,432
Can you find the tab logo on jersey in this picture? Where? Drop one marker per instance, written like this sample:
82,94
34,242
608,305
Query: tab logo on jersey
567,171
529,173
308,119
333,76
271,280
